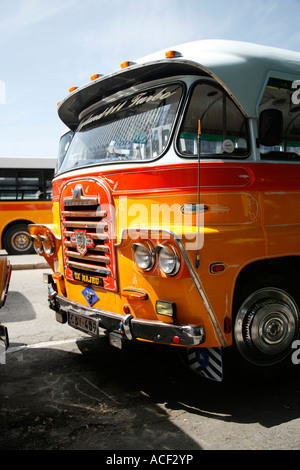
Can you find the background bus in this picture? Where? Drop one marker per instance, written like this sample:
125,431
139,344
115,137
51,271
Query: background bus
25,198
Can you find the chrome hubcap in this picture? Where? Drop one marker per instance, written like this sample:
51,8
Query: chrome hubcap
266,325
21,241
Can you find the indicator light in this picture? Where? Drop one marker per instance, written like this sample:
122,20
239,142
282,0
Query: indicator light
176,340
72,88
216,268
170,54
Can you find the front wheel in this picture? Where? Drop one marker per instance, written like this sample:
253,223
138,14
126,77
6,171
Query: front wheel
266,324
17,240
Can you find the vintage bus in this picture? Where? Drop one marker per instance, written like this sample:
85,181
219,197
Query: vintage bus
25,198
176,215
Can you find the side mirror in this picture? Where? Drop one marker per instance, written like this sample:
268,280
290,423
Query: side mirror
270,130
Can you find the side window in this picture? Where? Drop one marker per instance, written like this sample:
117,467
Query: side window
223,127
278,96
25,184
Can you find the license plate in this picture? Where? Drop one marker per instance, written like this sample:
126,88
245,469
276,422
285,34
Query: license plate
115,340
80,322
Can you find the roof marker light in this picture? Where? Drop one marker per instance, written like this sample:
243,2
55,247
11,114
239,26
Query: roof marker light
125,64
95,76
72,88
172,54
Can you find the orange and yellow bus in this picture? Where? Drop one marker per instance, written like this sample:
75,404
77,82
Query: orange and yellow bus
25,198
176,216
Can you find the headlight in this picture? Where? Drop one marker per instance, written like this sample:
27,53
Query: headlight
144,255
44,244
38,244
48,244
168,260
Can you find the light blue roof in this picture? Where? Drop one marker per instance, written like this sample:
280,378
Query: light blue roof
243,68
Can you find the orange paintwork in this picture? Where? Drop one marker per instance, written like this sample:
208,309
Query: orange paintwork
240,225
35,212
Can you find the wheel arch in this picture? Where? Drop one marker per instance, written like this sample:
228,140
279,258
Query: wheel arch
287,265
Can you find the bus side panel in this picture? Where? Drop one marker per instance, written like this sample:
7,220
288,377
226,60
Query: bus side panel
37,212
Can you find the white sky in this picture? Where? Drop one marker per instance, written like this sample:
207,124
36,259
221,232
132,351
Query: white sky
46,46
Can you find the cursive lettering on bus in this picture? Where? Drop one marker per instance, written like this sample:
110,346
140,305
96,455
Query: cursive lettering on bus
141,98
136,100
106,112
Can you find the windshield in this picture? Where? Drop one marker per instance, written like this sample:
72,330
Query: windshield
135,128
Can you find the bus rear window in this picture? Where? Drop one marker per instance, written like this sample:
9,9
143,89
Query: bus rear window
136,128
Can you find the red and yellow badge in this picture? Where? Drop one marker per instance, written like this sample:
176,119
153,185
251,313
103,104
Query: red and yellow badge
82,241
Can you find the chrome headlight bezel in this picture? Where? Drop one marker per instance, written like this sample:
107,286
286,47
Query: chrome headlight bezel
144,255
48,245
168,260
38,244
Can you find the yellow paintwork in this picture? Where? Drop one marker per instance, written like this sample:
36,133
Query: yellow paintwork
239,228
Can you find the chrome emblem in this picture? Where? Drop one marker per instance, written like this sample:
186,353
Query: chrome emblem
79,199
82,241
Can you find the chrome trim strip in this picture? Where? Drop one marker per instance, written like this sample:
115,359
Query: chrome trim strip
96,258
89,267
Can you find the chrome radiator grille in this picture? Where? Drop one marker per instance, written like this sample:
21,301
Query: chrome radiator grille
87,234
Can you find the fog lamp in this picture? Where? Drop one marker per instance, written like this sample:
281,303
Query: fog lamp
168,260
144,255
166,308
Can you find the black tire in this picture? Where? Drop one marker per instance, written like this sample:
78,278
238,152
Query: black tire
266,323
17,240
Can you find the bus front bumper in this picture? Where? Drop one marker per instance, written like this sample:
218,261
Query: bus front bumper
91,320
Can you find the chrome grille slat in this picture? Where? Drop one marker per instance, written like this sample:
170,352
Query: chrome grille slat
87,214
82,224
96,258
89,267
103,248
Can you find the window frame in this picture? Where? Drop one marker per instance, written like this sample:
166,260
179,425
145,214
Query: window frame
206,156
127,93
16,173
278,155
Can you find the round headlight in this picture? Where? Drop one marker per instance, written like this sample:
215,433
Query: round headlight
168,260
48,245
144,256
38,244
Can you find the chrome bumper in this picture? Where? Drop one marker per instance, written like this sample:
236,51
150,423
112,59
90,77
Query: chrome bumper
130,327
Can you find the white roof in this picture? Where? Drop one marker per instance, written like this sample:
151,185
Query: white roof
243,68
